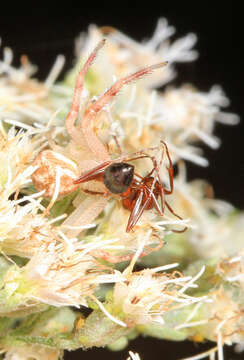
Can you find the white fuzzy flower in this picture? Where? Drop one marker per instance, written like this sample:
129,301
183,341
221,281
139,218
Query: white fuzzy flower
133,356
67,273
24,99
65,267
22,230
16,153
146,295
215,225
123,54
34,352
179,116
233,268
191,114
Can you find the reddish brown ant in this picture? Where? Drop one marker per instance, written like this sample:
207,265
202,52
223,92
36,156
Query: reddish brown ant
138,193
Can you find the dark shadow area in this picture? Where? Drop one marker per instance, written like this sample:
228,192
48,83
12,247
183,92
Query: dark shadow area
149,348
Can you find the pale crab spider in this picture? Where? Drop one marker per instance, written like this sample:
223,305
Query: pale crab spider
84,136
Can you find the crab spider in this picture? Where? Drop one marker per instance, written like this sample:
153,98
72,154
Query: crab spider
86,138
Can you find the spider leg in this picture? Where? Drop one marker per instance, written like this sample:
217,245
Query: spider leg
91,138
84,214
70,119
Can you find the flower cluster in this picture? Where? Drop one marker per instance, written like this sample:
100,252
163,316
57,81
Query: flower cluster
67,240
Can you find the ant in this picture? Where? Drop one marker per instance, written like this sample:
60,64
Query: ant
138,193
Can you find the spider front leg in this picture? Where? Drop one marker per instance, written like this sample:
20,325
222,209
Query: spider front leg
95,144
91,142
84,214
75,107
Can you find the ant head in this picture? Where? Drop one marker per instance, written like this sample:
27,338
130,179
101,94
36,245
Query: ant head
118,177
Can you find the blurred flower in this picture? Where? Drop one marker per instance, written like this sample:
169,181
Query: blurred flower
67,273
124,55
23,98
147,295
34,352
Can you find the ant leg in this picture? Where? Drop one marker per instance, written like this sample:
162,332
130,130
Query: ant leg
117,144
70,119
162,197
170,170
159,209
95,172
92,174
150,195
94,192
172,211
139,176
161,186
156,205
161,191
142,156
134,156
176,215
94,143
138,209
135,213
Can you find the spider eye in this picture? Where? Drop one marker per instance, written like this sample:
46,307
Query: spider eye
118,177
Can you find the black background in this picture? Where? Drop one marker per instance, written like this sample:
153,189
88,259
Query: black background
220,43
